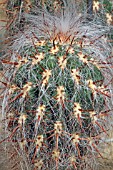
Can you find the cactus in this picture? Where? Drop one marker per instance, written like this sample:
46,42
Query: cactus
58,90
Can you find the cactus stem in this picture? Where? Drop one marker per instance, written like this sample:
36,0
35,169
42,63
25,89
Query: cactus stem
101,128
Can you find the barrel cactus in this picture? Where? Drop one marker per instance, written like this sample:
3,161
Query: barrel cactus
57,90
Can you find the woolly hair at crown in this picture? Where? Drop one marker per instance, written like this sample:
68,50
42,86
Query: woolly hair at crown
67,23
